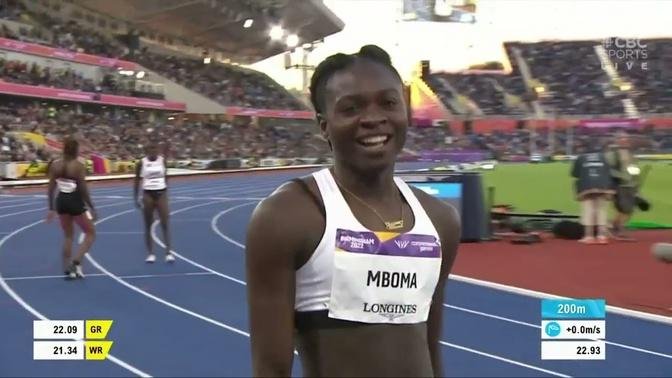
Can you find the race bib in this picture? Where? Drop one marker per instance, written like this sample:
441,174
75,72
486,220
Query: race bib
384,277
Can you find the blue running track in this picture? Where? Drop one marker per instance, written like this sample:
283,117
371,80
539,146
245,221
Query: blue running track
190,318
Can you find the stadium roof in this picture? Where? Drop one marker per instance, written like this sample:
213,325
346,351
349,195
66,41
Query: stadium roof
219,24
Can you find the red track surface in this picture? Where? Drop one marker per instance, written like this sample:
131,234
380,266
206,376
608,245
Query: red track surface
624,273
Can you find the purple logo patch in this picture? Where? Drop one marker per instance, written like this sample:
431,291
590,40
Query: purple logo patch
407,245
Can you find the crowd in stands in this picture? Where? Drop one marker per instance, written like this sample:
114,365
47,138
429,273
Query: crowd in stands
227,84
573,78
650,72
40,27
574,140
14,71
492,93
571,73
121,134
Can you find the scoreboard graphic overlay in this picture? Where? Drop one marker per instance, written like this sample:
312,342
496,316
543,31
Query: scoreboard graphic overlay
71,339
573,329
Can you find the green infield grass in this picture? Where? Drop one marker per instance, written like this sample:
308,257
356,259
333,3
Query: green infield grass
534,187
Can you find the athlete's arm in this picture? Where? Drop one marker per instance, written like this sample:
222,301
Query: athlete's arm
51,187
165,167
275,238
136,182
84,189
447,222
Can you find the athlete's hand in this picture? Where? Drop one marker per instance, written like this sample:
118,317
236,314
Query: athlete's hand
50,216
93,215
138,203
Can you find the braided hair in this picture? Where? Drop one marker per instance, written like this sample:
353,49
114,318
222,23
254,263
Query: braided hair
337,62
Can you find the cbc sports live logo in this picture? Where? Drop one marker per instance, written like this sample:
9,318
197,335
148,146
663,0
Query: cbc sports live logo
627,54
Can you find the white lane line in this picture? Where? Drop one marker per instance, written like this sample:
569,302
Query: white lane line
33,210
23,278
215,219
19,205
624,346
40,316
214,227
538,294
194,263
154,297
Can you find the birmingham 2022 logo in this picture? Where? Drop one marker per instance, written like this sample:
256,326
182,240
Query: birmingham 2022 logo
626,53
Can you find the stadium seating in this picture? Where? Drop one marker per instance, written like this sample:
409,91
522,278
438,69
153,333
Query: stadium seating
571,72
574,80
120,134
226,84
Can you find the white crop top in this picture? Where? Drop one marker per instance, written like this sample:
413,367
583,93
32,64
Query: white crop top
153,174
371,277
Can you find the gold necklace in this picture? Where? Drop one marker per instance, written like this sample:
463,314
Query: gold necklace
394,225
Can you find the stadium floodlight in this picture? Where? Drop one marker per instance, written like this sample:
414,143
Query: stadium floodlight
292,40
207,60
140,74
248,23
276,32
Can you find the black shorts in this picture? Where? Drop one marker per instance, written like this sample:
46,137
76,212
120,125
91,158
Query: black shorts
155,194
624,200
70,204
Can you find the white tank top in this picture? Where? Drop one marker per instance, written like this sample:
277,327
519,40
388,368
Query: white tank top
371,277
153,174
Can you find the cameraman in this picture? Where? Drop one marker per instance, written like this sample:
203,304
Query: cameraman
624,173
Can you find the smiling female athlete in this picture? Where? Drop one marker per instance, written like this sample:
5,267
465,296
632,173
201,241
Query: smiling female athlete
348,265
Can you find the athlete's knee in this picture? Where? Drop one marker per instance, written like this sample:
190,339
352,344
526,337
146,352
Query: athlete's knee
91,233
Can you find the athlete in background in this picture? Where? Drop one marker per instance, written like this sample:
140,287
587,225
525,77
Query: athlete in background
151,172
68,175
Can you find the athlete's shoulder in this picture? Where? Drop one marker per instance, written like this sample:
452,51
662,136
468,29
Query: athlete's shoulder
287,219
290,200
293,202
